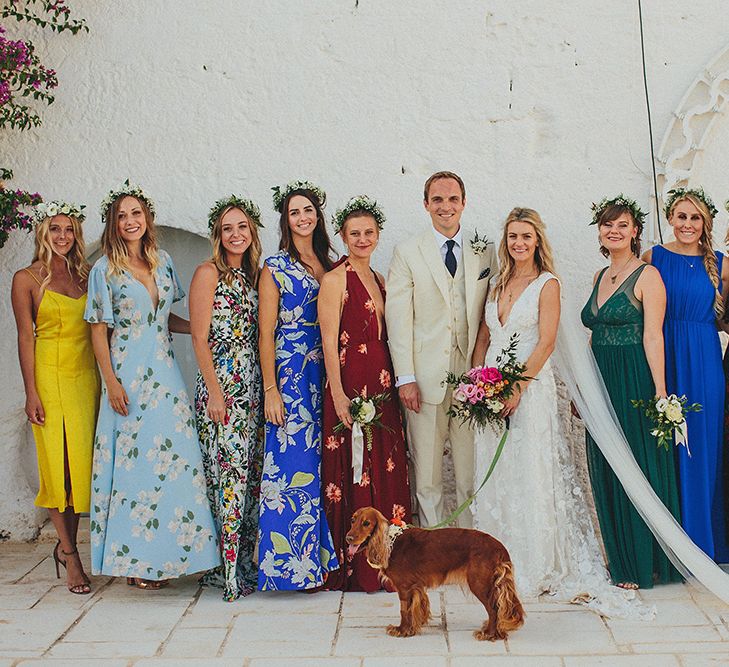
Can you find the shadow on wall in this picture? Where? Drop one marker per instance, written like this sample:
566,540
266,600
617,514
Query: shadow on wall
187,251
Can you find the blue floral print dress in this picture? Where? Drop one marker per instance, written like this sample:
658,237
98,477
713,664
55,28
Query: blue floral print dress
150,516
295,546
233,451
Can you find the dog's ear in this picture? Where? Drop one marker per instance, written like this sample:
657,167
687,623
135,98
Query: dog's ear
378,547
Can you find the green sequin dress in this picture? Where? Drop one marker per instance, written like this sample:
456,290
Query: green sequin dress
617,343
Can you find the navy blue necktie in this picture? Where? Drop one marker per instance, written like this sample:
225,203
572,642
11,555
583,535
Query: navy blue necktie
450,258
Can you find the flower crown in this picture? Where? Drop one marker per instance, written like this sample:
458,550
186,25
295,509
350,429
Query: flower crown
680,193
245,205
128,190
358,203
57,207
620,200
281,192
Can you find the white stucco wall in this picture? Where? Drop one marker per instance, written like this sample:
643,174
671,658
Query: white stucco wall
534,103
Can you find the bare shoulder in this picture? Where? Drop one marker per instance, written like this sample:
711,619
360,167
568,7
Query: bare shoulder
381,278
551,287
28,276
336,278
596,276
647,256
650,278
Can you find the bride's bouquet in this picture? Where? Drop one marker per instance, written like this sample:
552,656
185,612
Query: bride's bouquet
480,393
668,416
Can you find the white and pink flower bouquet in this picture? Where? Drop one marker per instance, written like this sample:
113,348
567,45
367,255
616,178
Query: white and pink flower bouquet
479,394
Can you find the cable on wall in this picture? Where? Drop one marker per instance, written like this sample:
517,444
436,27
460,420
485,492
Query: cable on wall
650,120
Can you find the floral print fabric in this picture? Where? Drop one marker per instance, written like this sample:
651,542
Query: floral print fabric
366,370
295,547
150,516
233,451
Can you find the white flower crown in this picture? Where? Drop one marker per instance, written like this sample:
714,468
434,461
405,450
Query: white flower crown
281,192
57,207
125,190
359,203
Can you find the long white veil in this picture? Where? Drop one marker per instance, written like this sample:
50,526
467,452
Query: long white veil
578,369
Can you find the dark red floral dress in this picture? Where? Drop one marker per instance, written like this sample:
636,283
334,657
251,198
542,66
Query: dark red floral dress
366,370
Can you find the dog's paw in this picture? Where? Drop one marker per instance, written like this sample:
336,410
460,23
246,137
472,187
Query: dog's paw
399,631
482,635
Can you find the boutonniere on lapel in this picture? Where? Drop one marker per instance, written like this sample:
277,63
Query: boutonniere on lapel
479,244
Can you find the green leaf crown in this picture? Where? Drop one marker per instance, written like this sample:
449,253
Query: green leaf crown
679,193
126,190
234,201
620,200
281,192
57,207
359,203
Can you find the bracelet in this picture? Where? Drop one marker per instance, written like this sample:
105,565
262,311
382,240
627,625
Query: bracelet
270,386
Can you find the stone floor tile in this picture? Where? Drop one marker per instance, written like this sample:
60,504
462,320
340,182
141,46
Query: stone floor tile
622,661
707,660
192,662
14,596
666,591
668,646
674,611
147,620
72,662
462,642
31,630
376,642
506,661
197,643
305,662
465,616
103,650
279,635
627,632
290,602
404,661
381,603
561,633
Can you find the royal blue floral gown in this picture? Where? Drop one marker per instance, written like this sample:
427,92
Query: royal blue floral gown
694,368
295,546
150,516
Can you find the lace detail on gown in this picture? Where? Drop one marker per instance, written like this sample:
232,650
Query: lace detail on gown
533,503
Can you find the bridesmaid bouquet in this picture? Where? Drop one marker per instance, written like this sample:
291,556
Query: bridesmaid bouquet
480,393
365,416
668,416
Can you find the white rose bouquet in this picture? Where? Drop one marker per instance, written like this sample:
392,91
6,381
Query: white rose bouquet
669,418
365,416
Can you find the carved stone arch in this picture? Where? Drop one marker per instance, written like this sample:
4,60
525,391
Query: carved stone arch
690,131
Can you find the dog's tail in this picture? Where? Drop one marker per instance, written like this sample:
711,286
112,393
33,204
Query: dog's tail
509,612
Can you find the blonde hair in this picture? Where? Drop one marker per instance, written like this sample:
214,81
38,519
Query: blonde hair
543,257
114,246
251,257
75,259
706,244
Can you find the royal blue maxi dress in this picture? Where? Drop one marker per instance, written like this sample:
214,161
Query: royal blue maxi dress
694,368
295,546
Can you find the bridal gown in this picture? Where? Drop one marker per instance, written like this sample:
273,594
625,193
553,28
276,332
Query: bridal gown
533,502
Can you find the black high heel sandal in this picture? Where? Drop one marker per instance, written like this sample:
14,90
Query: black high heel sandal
78,589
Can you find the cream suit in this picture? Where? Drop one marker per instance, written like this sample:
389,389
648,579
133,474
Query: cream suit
432,322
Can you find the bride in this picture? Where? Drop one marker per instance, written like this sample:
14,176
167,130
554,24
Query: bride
533,502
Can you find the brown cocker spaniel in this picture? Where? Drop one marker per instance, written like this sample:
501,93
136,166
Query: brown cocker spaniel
414,560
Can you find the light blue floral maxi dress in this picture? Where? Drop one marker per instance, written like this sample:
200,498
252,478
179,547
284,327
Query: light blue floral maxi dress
150,516
295,546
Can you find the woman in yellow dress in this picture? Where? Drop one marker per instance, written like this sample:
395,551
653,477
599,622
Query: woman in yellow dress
59,373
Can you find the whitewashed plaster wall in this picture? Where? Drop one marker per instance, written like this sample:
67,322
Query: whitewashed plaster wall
534,103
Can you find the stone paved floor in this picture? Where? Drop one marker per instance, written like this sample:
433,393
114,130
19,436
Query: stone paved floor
185,625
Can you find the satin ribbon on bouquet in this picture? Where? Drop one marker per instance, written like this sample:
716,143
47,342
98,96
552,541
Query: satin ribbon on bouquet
680,433
459,510
357,452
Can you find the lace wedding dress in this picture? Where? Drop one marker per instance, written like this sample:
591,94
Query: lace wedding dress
533,502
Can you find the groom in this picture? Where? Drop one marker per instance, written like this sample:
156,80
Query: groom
436,290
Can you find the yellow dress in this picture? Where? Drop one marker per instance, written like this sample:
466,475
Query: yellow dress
68,386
